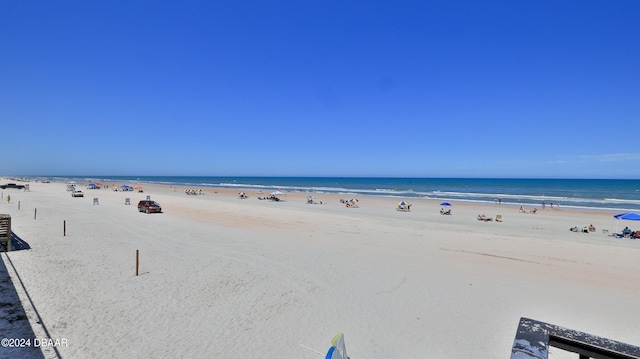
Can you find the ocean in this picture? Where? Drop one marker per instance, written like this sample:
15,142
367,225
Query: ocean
605,194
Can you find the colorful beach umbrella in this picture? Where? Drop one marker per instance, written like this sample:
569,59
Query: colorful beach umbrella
338,349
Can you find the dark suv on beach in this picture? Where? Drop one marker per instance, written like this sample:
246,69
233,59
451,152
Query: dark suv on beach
12,185
147,206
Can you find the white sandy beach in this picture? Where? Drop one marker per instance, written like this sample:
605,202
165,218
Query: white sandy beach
222,277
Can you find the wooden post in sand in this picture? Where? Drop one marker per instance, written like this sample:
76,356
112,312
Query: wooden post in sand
64,228
18,205
35,212
137,261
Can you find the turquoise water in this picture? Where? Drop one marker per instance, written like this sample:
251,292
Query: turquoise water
578,193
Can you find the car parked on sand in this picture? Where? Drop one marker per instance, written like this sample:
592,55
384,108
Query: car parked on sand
12,185
148,206
77,194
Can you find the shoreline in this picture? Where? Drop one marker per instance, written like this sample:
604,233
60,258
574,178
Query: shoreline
403,195
258,278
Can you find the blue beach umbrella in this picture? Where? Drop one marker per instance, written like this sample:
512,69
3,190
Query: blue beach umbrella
445,204
629,216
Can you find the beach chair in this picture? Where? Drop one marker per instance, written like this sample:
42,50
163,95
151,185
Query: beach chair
499,218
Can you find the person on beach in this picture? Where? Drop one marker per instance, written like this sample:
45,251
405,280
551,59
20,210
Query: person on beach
592,228
543,204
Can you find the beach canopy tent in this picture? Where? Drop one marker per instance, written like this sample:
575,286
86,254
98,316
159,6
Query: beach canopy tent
338,349
126,188
629,216
404,206
92,185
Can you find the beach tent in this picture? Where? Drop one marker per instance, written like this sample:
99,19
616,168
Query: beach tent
338,350
629,216
404,206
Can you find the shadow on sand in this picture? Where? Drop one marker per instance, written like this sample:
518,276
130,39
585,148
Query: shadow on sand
14,324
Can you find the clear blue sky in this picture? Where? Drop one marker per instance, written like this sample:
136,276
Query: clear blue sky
321,88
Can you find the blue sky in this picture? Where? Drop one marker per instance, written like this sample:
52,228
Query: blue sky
321,88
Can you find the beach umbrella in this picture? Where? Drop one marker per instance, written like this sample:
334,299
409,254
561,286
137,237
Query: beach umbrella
445,204
338,349
403,203
279,193
629,216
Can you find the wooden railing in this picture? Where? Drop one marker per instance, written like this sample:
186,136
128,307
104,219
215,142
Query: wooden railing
534,338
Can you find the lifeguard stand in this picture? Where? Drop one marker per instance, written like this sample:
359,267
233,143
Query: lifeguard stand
5,230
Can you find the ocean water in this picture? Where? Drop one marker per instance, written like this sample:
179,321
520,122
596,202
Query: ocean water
608,194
